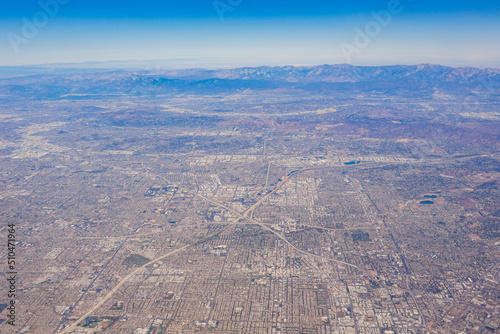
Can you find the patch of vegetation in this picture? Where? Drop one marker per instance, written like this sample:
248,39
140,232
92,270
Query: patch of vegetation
210,237
93,322
169,295
135,260
117,306
360,236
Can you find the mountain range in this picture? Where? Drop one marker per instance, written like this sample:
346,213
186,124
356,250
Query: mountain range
413,80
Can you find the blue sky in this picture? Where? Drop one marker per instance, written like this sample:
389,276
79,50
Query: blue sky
251,32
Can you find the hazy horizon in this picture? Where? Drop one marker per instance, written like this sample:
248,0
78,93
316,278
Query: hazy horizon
188,64
251,33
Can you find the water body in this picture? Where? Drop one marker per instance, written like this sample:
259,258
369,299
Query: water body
430,196
426,202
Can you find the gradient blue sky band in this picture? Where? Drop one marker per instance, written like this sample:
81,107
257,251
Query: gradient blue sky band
247,9
255,32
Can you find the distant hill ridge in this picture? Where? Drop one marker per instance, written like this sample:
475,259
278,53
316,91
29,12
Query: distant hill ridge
343,73
416,80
